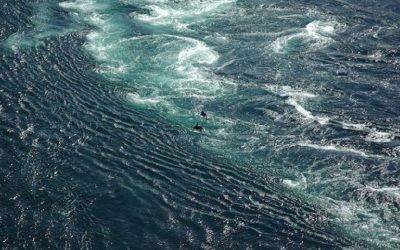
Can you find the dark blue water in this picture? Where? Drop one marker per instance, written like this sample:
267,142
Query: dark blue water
300,148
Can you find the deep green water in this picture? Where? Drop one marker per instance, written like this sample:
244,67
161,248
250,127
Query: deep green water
301,147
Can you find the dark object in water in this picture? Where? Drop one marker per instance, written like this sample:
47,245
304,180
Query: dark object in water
203,114
341,72
198,127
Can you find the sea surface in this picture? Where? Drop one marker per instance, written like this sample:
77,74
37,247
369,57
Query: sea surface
300,148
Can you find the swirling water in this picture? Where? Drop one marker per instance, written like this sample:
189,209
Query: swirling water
301,146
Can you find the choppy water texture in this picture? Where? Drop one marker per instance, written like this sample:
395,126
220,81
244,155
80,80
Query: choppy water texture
301,147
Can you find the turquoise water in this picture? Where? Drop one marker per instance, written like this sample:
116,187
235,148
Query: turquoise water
300,147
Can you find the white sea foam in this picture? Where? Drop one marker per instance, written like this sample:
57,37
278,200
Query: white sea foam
157,13
301,183
364,221
287,91
163,13
297,96
396,152
188,59
349,213
374,135
42,27
333,148
85,6
225,65
320,29
136,98
341,149
395,191
191,77
193,52
279,45
199,53
378,136
354,126
307,114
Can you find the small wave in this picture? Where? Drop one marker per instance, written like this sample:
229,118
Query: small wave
24,134
315,35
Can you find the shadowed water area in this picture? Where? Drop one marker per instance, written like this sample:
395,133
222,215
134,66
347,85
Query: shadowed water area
300,148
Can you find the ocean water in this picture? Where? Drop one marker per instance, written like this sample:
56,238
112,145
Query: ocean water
300,148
